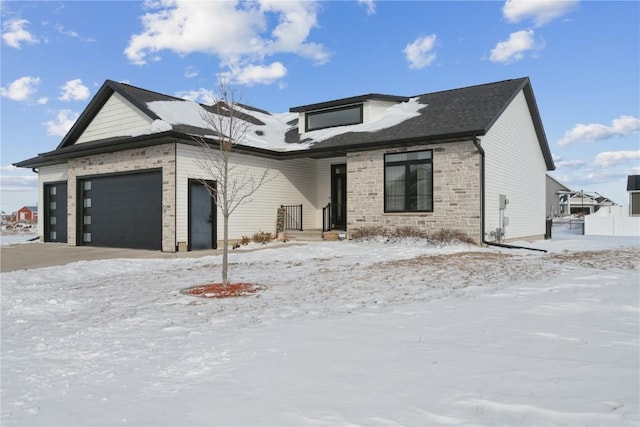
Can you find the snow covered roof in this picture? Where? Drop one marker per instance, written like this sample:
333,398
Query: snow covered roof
440,116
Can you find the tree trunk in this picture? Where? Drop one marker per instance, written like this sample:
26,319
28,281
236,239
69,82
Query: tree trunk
225,252
225,214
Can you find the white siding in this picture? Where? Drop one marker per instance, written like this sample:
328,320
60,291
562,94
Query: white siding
55,173
116,118
374,109
516,168
295,183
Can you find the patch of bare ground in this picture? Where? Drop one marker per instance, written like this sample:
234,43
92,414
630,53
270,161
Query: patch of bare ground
219,290
463,269
443,260
476,267
627,258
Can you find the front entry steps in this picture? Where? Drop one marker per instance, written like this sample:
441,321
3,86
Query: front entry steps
315,235
334,235
304,236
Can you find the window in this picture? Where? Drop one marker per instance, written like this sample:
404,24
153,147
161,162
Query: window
342,116
52,191
634,204
408,182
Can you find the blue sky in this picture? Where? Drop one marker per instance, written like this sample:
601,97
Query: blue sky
582,58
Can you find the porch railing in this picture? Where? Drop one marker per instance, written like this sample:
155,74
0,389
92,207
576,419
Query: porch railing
326,218
292,217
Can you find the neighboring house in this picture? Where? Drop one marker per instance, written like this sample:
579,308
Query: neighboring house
555,191
472,159
633,188
582,203
613,220
27,214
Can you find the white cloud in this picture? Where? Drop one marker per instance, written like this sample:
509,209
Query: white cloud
59,28
621,126
62,123
562,164
74,90
203,96
190,72
8,168
515,47
540,11
370,4
18,183
420,52
256,74
239,33
21,89
14,34
614,158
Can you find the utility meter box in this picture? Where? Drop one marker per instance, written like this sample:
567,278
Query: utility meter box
502,201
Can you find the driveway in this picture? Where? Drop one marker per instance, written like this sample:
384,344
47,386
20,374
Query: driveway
36,255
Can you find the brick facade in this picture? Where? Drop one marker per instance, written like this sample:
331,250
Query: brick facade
136,160
456,191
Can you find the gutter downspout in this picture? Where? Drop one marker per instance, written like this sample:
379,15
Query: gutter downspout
476,142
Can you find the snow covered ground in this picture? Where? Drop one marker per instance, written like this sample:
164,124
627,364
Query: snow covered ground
344,333
13,238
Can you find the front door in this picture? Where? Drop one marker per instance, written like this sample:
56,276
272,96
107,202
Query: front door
339,197
202,219
55,212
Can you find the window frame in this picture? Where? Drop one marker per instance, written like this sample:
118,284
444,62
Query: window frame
407,164
310,114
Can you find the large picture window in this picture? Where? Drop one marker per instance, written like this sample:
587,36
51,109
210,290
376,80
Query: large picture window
408,182
334,117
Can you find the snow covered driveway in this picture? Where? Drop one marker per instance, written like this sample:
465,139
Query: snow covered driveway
343,334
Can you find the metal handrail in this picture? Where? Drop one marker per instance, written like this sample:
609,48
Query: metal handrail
293,217
326,218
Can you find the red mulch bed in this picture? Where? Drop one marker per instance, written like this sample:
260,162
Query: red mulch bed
218,290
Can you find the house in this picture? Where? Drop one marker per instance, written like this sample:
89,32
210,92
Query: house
472,159
582,203
555,192
633,188
26,214
614,220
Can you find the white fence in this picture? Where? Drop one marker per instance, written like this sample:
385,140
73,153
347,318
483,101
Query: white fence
612,221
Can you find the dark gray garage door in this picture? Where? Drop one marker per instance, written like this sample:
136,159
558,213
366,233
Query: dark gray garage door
122,211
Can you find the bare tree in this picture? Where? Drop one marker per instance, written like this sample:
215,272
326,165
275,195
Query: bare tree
232,185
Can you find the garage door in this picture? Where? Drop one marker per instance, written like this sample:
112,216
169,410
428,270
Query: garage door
122,211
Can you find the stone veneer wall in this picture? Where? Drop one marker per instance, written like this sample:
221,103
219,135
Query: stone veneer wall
136,160
456,191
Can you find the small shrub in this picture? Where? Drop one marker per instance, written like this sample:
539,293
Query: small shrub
403,232
367,232
245,240
449,236
442,236
262,237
